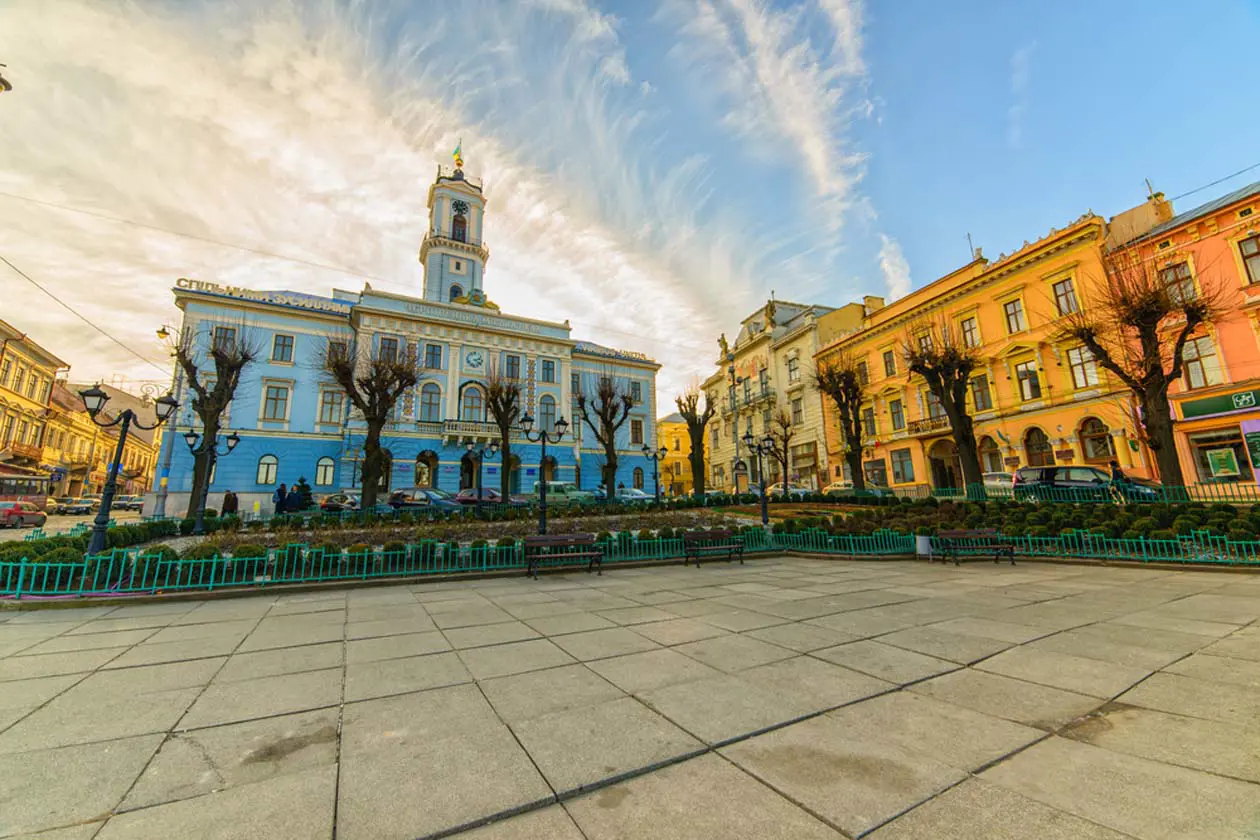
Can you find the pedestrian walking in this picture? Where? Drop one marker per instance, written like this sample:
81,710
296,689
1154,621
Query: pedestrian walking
280,498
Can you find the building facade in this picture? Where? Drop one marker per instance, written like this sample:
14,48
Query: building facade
1216,405
27,374
675,467
294,422
1035,399
768,369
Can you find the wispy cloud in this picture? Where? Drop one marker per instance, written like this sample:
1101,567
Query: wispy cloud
789,97
312,130
1021,68
892,262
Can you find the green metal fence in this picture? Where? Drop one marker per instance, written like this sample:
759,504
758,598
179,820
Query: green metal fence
1109,493
132,571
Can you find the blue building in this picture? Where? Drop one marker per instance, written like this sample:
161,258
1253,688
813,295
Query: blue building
295,422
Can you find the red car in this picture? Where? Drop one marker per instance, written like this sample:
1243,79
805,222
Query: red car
489,496
17,514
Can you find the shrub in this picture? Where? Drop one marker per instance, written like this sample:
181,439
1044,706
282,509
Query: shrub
202,551
506,542
1162,534
603,536
646,534
479,544
249,550
159,552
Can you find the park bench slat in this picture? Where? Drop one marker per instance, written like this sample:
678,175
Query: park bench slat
698,544
560,549
955,542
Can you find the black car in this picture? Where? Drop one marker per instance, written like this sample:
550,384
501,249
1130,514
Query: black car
1062,484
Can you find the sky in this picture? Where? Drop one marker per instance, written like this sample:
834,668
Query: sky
655,169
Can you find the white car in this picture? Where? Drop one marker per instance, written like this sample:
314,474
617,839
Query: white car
633,494
998,481
792,490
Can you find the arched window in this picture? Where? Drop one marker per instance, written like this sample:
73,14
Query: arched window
474,405
324,469
431,404
547,413
268,466
459,228
1096,440
457,291
1037,448
638,478
990,455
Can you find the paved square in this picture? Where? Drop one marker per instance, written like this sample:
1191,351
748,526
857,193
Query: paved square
787,698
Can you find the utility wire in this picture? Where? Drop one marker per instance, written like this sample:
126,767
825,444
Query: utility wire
78,315
1217,181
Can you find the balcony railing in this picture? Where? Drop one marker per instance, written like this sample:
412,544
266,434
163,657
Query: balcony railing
927,424
26,451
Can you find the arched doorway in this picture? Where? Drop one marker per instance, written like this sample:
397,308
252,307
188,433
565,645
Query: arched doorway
1096,441
1037,449
944,464
426,469
467,472
548,467
990,455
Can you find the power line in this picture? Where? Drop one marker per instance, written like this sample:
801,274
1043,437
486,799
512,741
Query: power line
76,313
1217,181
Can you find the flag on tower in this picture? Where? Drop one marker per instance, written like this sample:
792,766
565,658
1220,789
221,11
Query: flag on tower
458,154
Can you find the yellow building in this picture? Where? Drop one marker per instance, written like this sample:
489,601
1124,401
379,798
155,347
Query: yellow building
80,451
767,369
675,468
1035,400
27,373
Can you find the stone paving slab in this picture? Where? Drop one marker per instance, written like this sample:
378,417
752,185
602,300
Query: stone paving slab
823,698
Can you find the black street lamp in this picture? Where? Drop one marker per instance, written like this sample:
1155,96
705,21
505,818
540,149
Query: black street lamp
479,456
94,400
542,435
655,458
195,442
762,447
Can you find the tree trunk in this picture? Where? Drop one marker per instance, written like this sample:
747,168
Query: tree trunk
201,465
696,458
854,459
968,452
610,472
373,462
505,470
1159,436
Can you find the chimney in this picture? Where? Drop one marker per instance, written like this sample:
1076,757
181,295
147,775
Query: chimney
1163,207
872,304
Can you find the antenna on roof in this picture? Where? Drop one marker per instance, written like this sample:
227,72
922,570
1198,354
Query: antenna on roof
971,249
1150,190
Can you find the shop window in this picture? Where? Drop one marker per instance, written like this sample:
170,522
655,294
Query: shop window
876,472
1202,365
1220,456
902,466
990,455
1037,449
1096,440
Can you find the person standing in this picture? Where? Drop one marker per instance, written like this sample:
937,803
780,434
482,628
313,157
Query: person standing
280,499
293,502
230,504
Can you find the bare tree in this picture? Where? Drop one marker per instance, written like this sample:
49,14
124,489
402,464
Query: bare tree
1137,326
840,379
374,381
605,408
696,419
781,432
503,404
230,350
935,351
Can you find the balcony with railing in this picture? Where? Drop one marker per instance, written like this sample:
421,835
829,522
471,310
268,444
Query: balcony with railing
455,239
24,452
927,425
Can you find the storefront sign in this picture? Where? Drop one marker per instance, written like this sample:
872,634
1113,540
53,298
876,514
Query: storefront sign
1222,462
1011,460
1065,454
1251,435
295,299
1223,404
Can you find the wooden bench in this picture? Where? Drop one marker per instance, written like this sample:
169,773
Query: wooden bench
561,549
697,544
973,541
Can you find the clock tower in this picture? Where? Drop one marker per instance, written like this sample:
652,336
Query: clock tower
454,253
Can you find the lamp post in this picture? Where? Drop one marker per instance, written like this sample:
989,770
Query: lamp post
168,442
760,447
655,458
736,381
479,456
94,400
543,436
194,441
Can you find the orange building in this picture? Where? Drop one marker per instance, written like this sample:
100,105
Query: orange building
1216,406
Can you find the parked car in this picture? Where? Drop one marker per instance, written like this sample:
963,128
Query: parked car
997,480
75,507
1065,484
424,498
17,514
633,494
793,490
1132,489
128,503
489,496
338,502
845,488
565,493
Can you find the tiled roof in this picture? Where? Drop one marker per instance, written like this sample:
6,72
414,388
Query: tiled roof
672,418
1202,210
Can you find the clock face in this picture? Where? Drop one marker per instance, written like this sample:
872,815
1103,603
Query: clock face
474,359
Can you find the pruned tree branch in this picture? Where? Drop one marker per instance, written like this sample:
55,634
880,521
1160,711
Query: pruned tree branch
697,419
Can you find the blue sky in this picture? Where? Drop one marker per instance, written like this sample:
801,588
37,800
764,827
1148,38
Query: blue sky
654,167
